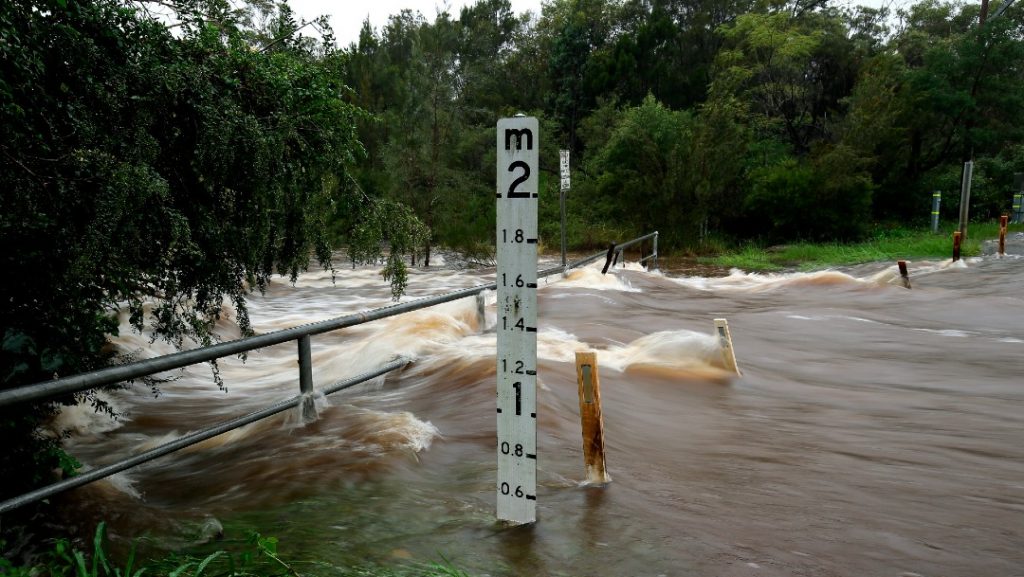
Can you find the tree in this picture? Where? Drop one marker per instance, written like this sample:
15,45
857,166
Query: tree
145,169
643,172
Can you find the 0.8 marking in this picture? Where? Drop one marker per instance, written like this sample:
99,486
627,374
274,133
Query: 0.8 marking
516,450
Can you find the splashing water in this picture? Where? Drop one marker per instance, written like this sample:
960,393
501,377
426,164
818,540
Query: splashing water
876,430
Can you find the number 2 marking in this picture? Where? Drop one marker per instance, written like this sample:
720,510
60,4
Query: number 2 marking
526,174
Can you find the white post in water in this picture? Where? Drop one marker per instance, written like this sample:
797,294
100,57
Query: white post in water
518,144
965,198
563,158
725,343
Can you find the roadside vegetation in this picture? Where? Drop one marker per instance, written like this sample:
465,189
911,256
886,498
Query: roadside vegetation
253,556
885,245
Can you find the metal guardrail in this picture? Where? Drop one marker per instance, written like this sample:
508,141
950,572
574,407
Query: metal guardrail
188,440
301,334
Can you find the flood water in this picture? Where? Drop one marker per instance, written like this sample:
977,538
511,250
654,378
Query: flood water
874,431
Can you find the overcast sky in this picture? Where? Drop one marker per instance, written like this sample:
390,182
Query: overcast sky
347,16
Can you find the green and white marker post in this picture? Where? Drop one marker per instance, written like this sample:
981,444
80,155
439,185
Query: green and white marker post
518,144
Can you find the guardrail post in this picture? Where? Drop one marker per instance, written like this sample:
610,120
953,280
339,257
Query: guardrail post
481,308
608,259
306,380
655,250
590,417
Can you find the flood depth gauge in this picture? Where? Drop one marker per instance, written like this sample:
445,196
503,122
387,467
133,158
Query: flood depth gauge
518,143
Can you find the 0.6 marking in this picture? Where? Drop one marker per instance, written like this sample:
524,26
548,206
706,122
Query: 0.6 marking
507,490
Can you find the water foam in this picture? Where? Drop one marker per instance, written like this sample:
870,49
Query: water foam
680,351
739,280
590,277
83,419
379,432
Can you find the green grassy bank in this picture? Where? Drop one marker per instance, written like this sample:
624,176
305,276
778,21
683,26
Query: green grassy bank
253,556
887,244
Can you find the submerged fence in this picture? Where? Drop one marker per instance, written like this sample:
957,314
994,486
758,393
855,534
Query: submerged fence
301,334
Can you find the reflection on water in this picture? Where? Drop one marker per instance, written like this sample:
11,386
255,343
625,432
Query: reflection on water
876,430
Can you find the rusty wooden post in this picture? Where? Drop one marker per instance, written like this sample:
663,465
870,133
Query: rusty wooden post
591,417
904,275
1002,234
725,342
956,246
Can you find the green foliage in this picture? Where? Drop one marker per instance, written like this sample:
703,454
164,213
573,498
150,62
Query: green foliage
644,169
404,233
682,115
254,556
258,555
828,197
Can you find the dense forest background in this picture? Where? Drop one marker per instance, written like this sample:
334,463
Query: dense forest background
164,159
710,121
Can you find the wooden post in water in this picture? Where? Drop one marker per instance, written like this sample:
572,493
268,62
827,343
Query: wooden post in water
904,275
725,342
956,246
1002,234
591,417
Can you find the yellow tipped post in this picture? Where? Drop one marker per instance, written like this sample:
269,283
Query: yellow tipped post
591,418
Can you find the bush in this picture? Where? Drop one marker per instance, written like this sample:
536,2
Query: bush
827,198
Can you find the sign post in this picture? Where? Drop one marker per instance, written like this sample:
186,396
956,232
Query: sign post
518,143
563,157
1018,198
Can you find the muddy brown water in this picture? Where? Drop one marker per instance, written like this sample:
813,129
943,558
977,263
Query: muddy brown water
875,430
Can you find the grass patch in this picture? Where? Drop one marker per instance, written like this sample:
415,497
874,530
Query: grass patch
886,245
255,556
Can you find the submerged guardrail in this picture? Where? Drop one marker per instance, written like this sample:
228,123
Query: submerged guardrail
301,334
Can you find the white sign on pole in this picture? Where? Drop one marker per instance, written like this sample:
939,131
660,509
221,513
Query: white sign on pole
563,157
518,144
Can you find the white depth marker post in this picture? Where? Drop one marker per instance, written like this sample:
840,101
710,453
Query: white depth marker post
563,162
518,143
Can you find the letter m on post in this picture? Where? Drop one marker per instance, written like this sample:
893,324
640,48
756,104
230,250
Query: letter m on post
518,135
